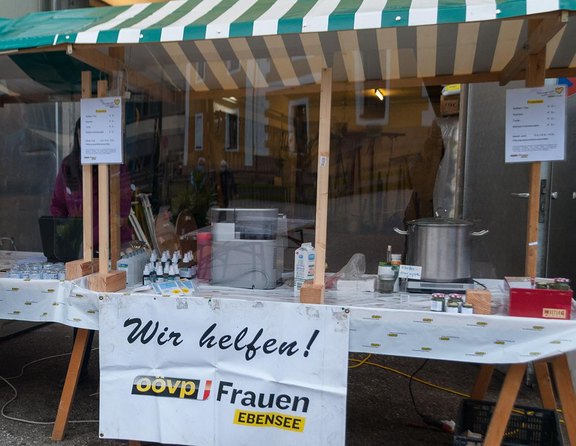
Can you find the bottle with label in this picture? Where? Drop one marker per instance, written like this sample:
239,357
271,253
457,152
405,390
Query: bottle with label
159,272
193,265
166,272
184,266
146,275
171,273
396,262
153,276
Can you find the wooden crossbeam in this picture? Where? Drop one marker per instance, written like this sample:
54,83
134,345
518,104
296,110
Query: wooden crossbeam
542,31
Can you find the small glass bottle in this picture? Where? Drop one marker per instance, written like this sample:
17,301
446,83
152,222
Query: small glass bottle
146,275
159,272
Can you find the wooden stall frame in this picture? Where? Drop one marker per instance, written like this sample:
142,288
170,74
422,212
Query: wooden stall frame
533,55
99,277
533,58
314,292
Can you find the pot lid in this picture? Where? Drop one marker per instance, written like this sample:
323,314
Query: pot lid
440,221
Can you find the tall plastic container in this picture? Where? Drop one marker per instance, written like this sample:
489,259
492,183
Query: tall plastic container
204,255
304,265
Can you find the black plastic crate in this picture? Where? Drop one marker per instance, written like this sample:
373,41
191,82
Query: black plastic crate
533,426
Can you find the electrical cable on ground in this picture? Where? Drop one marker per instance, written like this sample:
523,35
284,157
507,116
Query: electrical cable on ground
15,396
364,361
358,363
404,374
444,425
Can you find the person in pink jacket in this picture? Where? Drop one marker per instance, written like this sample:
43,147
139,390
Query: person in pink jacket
67,195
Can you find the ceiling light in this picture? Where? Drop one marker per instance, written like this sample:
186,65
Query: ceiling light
379,94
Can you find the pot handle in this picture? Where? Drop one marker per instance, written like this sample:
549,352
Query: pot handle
400,231
480,233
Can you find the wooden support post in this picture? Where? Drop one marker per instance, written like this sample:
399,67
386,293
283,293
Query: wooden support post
99,277
545,385
531,259
119,86
565,387
105,279
535,77
504,405
74,270
103,217
69,390
115,220
85,266
482,382
315,294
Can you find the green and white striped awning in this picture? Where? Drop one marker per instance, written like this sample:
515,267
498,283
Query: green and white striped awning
228,44
181,20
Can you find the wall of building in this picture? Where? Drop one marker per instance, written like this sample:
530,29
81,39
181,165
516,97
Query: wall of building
22,7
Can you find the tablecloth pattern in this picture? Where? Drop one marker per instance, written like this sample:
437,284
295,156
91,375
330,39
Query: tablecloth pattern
398,324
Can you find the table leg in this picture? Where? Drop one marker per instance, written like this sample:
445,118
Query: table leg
482,382
504,405
545,385
565,389
69,389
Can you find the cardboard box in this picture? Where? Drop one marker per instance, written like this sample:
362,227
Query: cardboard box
449,105
481,301
534,302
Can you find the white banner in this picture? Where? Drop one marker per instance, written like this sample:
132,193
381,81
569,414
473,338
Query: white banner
200,371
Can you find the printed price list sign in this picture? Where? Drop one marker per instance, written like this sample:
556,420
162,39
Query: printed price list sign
101,130
536,124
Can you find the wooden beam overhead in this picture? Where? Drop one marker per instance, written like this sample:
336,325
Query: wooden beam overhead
544,30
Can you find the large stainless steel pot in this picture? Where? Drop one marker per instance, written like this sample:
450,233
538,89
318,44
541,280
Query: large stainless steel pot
441,246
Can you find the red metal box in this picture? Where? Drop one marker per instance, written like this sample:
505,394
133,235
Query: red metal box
534,302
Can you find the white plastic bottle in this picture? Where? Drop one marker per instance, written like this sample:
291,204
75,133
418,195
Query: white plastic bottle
304,265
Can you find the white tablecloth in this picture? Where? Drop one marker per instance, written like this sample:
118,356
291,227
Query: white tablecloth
396,324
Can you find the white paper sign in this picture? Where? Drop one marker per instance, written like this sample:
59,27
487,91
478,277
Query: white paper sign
410,272
197,371
536,124
101,130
